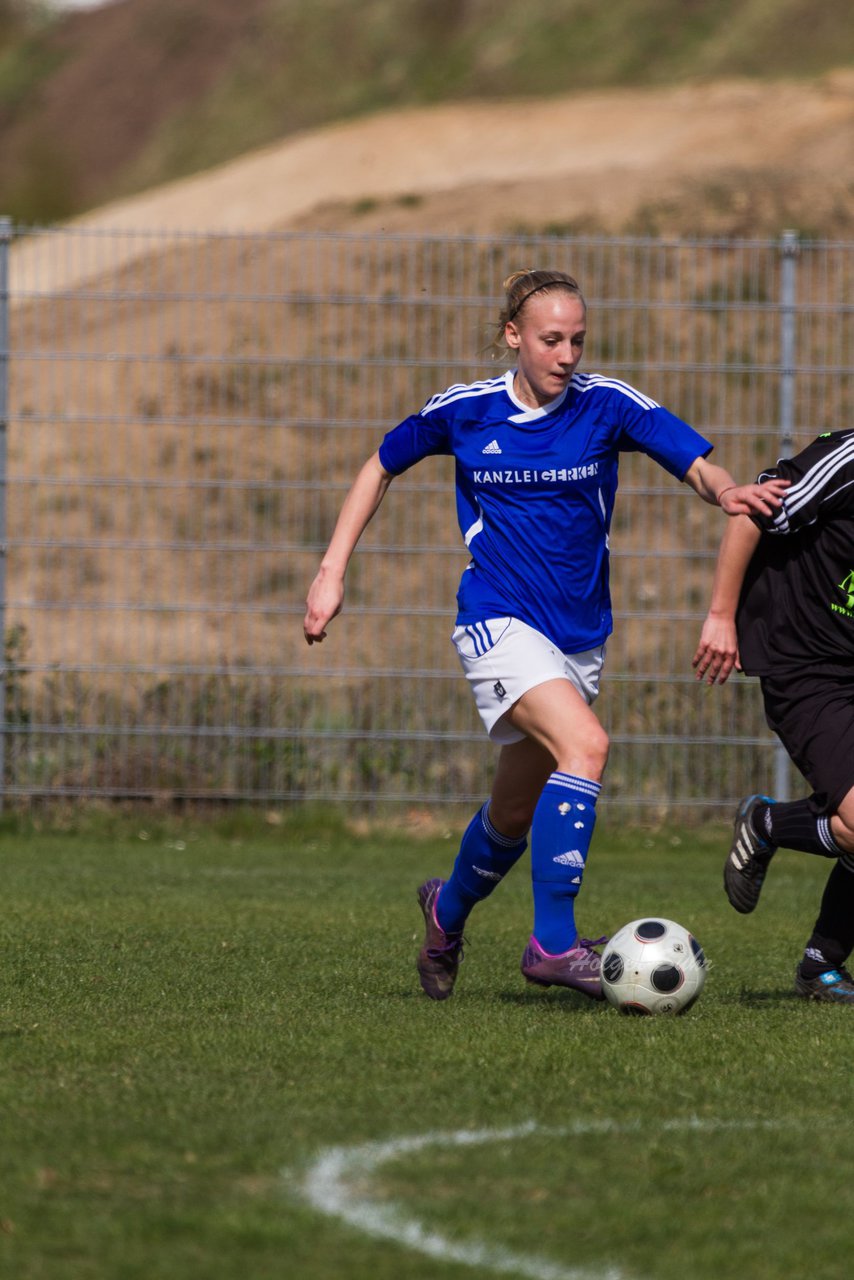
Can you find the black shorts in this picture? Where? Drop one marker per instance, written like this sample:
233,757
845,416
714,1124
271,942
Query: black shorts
813,715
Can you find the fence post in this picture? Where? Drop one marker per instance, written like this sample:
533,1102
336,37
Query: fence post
5,241
788,291
789,248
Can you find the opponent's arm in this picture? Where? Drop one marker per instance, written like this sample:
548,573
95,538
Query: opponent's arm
717,651
715,485
326,593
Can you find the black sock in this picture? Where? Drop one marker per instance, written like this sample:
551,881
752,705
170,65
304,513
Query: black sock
832,939
794,824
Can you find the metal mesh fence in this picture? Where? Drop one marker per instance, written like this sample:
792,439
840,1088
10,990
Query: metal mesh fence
184,416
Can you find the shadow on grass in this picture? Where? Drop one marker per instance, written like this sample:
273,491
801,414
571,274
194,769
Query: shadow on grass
558,995
756,999
519,999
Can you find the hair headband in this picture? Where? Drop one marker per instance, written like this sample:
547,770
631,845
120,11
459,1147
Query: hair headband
536,289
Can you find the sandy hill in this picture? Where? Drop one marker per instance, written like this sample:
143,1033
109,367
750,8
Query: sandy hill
733,158
97,105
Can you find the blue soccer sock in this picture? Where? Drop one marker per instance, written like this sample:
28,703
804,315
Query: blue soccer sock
560,839
484,859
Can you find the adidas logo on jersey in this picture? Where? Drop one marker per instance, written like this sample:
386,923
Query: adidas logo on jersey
492,447
572,858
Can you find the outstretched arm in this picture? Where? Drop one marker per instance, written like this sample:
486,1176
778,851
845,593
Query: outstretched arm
717,651
326,593
715,485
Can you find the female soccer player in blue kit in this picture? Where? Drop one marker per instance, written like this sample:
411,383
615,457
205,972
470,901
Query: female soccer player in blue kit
536,452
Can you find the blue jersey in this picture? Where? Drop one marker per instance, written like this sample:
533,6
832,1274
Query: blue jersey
536,490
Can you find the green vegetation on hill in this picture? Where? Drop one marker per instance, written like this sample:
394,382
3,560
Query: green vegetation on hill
103,103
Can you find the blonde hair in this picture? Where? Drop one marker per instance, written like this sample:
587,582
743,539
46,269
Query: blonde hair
519,287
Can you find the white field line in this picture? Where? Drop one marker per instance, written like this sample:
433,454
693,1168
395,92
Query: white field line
335,1186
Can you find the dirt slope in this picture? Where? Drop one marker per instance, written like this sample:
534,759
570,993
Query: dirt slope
739,157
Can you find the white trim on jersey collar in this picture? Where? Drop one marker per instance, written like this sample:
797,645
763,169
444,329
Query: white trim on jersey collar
528,414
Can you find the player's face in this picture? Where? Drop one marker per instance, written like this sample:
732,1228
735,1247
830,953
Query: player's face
548,338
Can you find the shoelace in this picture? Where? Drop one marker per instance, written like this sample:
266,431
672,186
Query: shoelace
588,943
449,949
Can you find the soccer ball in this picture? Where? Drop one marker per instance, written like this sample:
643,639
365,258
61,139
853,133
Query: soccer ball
653,966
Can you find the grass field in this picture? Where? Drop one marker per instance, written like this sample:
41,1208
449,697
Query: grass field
216,1063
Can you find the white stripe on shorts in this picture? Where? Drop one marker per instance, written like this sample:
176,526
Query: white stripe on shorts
503,658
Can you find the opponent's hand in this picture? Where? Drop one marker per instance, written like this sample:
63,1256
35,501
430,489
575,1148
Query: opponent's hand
754,499
717,652
323,603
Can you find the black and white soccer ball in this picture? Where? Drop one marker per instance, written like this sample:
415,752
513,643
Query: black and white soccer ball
653,966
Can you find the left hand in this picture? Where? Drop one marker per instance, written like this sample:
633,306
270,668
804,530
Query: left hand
717,652
754,499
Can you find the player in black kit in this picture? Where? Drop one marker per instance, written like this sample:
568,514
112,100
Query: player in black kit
782,609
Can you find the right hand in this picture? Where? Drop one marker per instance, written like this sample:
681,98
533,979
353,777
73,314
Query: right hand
323,603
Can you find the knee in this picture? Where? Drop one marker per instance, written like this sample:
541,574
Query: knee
601,747
842,824
842,831
587,757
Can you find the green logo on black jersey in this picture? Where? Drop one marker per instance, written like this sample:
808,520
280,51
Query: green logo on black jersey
847,588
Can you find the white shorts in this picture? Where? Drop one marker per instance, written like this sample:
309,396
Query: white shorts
502,658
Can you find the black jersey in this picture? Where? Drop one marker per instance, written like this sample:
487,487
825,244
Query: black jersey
797,602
